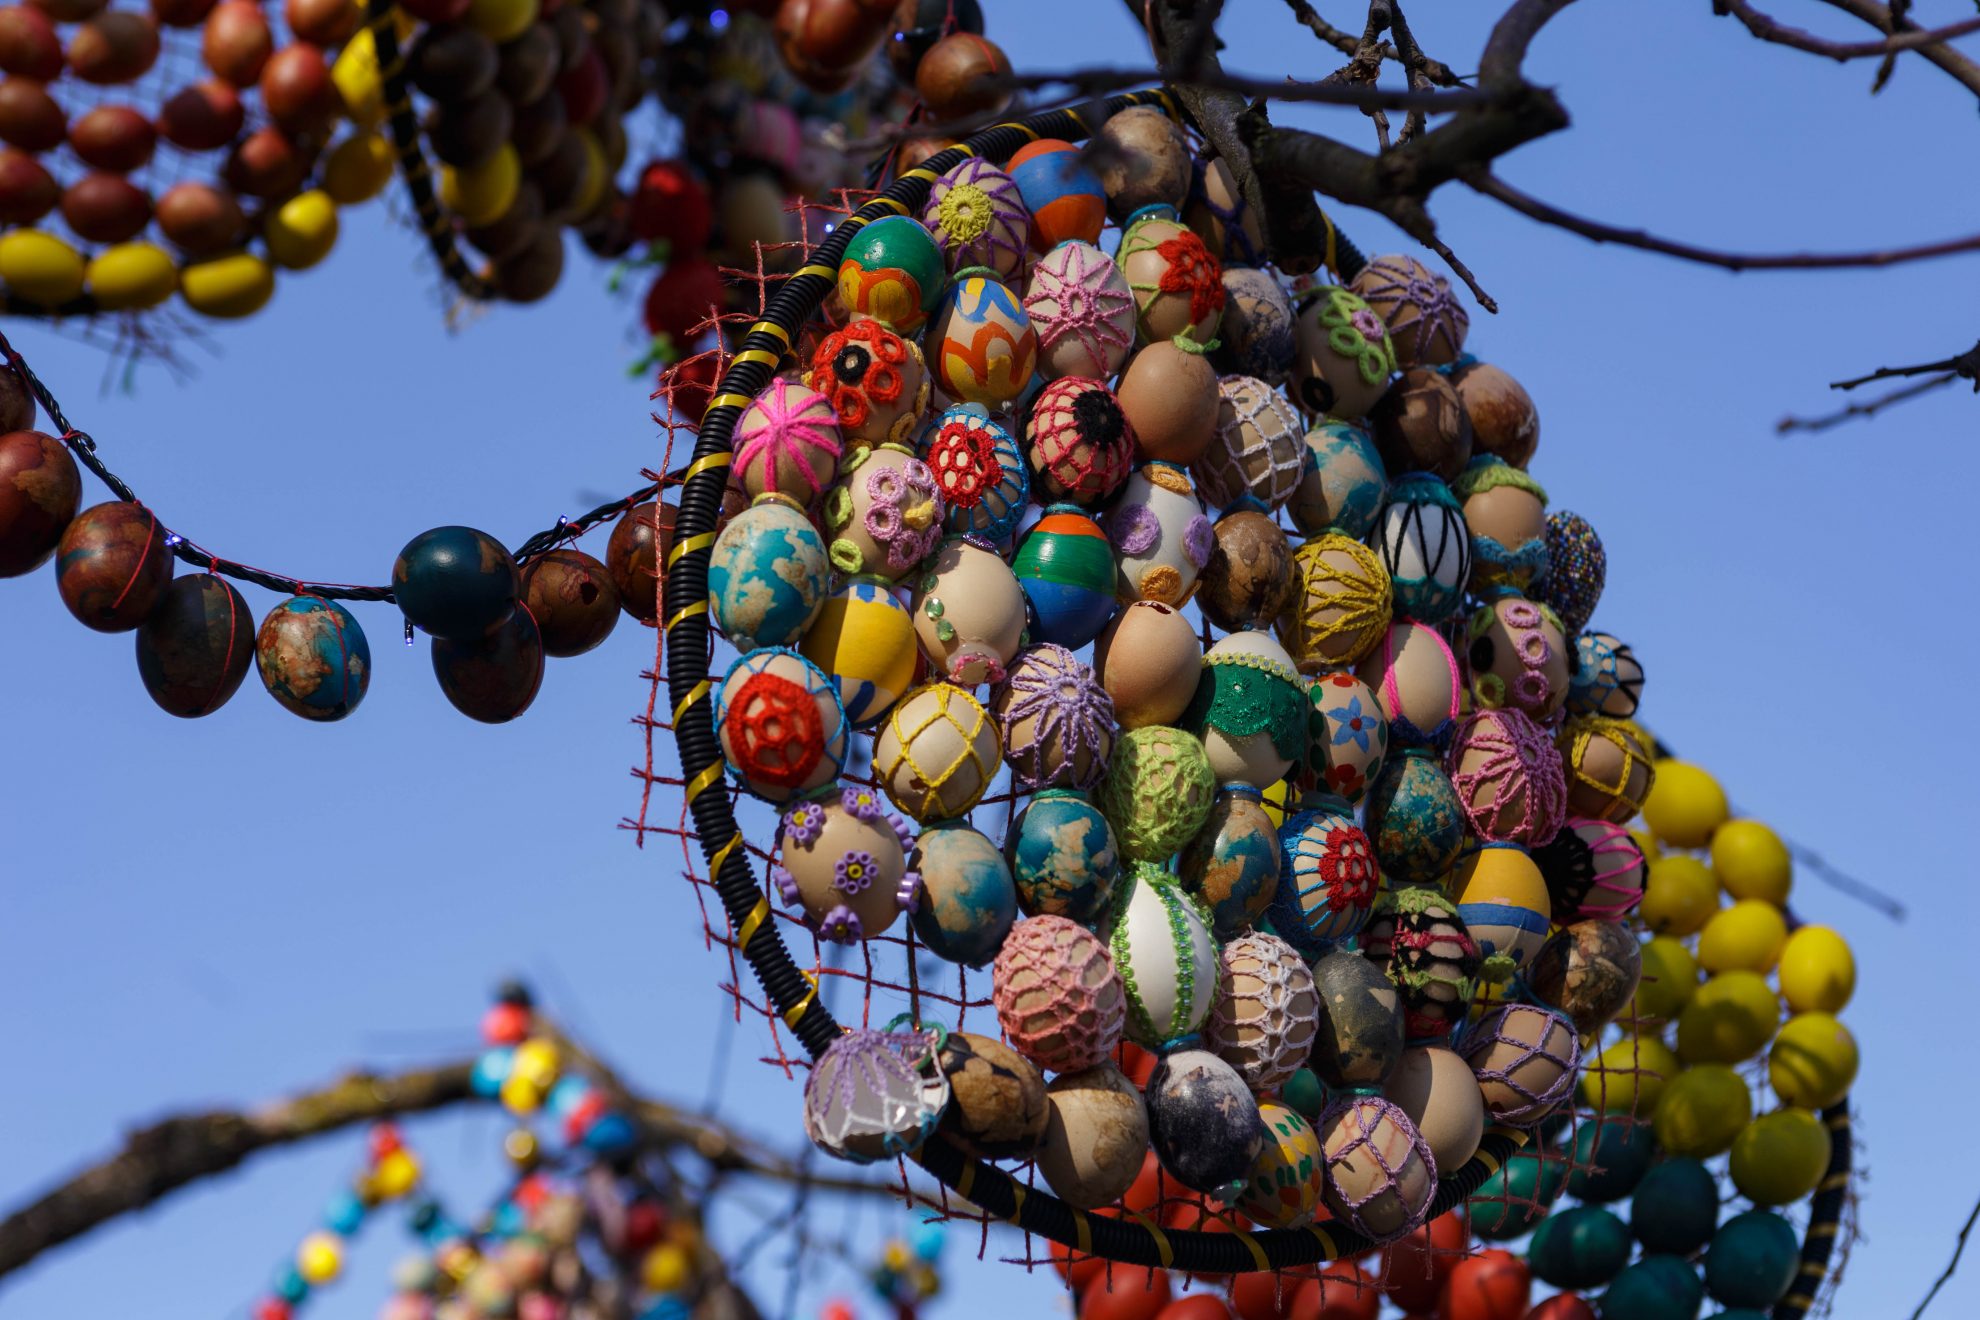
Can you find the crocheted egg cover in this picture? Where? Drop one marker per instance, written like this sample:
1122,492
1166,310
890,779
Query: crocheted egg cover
1374,1125
872,1095
1078,293
1517,792
1552,1043
1059,1000
1157,791
1073,723
788,423
1577,568
1240,695
904,759
1266,1030
977,214
867,364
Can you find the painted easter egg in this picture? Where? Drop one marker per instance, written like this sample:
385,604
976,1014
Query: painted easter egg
1339,607
1608,678
976,213
980,472
1434,1088
1360,1035
573,598
865,639
1178,286
1342,358
1350,735
1379,1174
40,487
1577,569
787,442
969,613
1508,776
1342,482
1525,1058
1148,661
876,381
1157,791
1503,901
1249,710
1160,941
1144,161
494,678
1427,324
1063,856
636,554
1258,448
1328,879
313,658
967,902
1257,327
1609,771
885,513
981,343
1415,678
1083,311
999,1110
1058,997
893,272
1057,721
112,564
1594,871
1588,970
1420,534
782,729
1418,940
1232,865
768,576
1503,418
843,861
1248,581
871,1097
1078,441
1096,1136
1161,538
1283,1189
1419,425
1415,819
1506,513
195,646
1518,658
1065,565
1202,1121
936,752
455,582
1064,197
1169,395
1266,1015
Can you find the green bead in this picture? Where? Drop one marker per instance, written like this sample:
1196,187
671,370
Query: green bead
1752,1259
1619,1149
1514,1199
1675,1208
1580,1247
1654,1288
1305,1093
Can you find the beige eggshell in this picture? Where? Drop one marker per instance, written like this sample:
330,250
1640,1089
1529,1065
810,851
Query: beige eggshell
1259,447
936,753
1521,1028
1022,744
1163,309
1506,514
1420,426
1496,647
1604,781
1162,571
1248,758
1424,683
1340,604
1095,1136
877,905
1148,660
1385,1211
1218,197
1083,311
973,591
1141,160
1169,396
1434,1087
917,516
999,1109
1503,418
1427,323
1327,382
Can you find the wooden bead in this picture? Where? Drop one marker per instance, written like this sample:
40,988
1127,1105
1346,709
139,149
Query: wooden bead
112,564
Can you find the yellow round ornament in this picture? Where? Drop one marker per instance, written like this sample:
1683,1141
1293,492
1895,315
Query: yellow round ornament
1752,862
1679,895
357,169
1818,972
228,287
1702,1111
1744,937
1728,1020
1780,1157
936,753
320,1258
1629,1077
1670,978
1685,805
358,80
1813,1062
482,194
501,20
40,267
131,277
665,1268
302,230
1284,1184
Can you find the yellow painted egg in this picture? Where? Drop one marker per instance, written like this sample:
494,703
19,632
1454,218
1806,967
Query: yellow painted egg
1818,972
1728,1021
1502,898
302,230
1629,1076
1780,1157
395,1175
1670,978
131,277
236,285
1439,1093
1702,1111
40,267
1752,862
358,168
1744,937
863,638
482,194
1813,1062
1646,842
666,1268
1679,896
501,20
1284,1185
1685,806
936,753
358,80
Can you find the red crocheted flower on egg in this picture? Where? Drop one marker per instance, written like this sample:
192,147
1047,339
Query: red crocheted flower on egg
1348,869
773,731
964,460
1192,270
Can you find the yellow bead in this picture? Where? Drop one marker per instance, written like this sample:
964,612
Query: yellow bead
1752,862
666,1268
1629,1076
131,277
1780,1157
320,1258
1728,1020
895,1256
40,267
358,168
597,176
1685,805
482,194
1744,937
228,287
395,1175
358,80
1670,978
520,1095
302,230
1818,972
1813,1062
522,1148
1647,842
502,20
1702,1111
1679,894
536,1060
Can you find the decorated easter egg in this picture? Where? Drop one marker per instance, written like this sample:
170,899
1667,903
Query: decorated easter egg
1727,1019
1610,1157
885,513
1266,1015
768,576
1753,1260
864,638
1518,657
1509,1203
1420,534
39,490
782,729
112,564
967,901
1058,997
843,861
573,599
1508,776
969,613
871,1096
1360,1023
493,678
1504,904
1202,1121
1159,938
1066,568
1169,396
999,1110
1588,970
875,381
980,472
1349,732
1148,661
1503,418
1418,940
1143,161
893,273
787,442
1415,819
976,213
1582,1246
1232,865
1339,610
1257,326
1415,678
1096,1136
195,646
636,554
313,658
1283,1188
1249,580
936,752
1249,710
1607,679
1434,1088
1525,1058
1063,856
1057,721
1257,449
1379,1176
1342,358
1064,197
1702,1111
1083,311
1813,1062
1506,513
1178,286
1156,792
1818,972
1427,324
1327,879
1609,771
1419,425
1161,538
1595,871
1577,568
1078,441
1342,481
980,341
1781,1157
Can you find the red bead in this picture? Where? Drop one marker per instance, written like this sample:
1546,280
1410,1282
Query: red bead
505,1024
586,1112
671,205
272,1308
645,1222
384,1140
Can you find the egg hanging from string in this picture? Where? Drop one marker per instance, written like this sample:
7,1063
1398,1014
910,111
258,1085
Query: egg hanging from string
455,582
1082,310
969,613
313,658
40,490
979,470
1057,721
865,639
967,902
1232,865
1063,855
769,576
936,752
112,564
195,646
1350,735
495,678
843,862
1342,481
574,600
1161,538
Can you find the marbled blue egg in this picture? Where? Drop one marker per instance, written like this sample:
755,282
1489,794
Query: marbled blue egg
967,901
1063,856
313,658
1416,819
768,576
1343,483
1232,864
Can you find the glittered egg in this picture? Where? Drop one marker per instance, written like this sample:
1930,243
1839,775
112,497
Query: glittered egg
967,902
574,600
1064,197
1168,394
999,1110
1607,680
1360,1036
1525,1058
1148,661
768,576
875,381
1257,327
39,487
1258,449
782,729
1157,792
892,271
885,513
1508,777
1160,942
1342,358
1415,678
1518,658
455,582
1503,418
871,1095
787,442
976,213
1178,286
1420,534
969,613
1083,311
1504,903
1078,441
1283,1189
936,752
1594,871
1161,538
1419,425
980,342
865,639
980,472
1588,970
1339,607
1058,997
1203,1122
1608,766
1577,569
843,861
1421,944
195,646
112,564
1506,513
1057,721
1249,710
1232,865
313,658
1249,579
1342,481
1063,856
1427,324
494,678
1379,1176
1328,879
1142,161
1217,211
1065,565
1350,735
1096,1136
1415,819
1434,1088
1266,1015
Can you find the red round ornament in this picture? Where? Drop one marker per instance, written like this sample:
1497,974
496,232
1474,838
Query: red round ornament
1493,1285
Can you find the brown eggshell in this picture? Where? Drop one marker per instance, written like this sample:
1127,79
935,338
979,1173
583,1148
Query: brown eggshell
466,133
999,1108
1427,324
203,117
1218,198
572,599
16,402
1360,1184
106,208
27,191
1248,581
267,164
1589,971
181,13
573,28
1420,426
1506,514
1169,396
30,118
113,137
526,68
452,64
70,11
117,47
620,61
585,87
826,41
1141,160
1434,1087
537,130
1503,418
29,46
297,91
1601,766
237,42
1148,660
1521,1029
534,271
515,231
1504,648
1095,1138
958,77
200,219
39,490
323,22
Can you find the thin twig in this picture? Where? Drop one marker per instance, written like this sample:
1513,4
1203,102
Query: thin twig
1773,30
1843,882
1463,272
1413,61
1870,409
1965,364
1951,61
1347,44
1951,1265
1417,100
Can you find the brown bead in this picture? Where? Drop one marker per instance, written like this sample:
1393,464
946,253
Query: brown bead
203,117
573,599
634,555
199,219
527,67
297,92
1141,160
452,64
1420,426
111,565
39,491
466,133
27,191
113,137
1248,581
958,77
825,42
181,13
323,22
30,118
531,273
515,230
236,42
106,208
267,164
117,47
1503,418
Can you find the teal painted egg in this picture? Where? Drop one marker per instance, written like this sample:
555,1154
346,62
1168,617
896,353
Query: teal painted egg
456,583
1752,1260
1327,879
768,576
979,470
492,679
1063,857
313,657
195,646
782,728
980,343
1517,1195
1159,938
1611,1155
967,902
1675,1207
1581,1247
1342,484
1350,735
893,272
1416,819
1066,566
1232,864
864,638
1654,1288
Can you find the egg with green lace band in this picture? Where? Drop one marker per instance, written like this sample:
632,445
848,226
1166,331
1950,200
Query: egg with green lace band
1506,513
936,752
1248,710
1232,865
1159,938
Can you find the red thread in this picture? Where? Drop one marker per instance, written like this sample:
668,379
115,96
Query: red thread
150,530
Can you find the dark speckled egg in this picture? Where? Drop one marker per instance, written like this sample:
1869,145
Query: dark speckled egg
494,678
111,565
635,554
195,646
456,583
999,1108
1361,1023
1248,580
573,599
39,491
1203,1121
313,658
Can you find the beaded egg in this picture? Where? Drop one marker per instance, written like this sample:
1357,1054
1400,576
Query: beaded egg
1169,396
1328,879
112,564
1217,211
870,1096
1178,286
1232,865
1159,939
1360,1027
1339,607
1525,1058
1588,970
787,443
1505,512
493,678
1594,870
976,213
1508,777
1427,324
1064,197
782,729
1266,1015
1342,358
1342,482
1379,1177
1504,904
1419,425
1284,1186
843,862
40,488
1503,418
893,273
1438,1094
769,576
1518,658
885,513
1161,538
1418,940
865,639
1096,1136
969,613
936,752
980,472
999,1110
980,341
1157,791
455,583
1083,311
1607,679
1143,161
1203,1122
1065,565
1063,856
1078,441
1249,710
1609,771
1349,732
1148,662
1415,818
313,658
1058,998
1577,568
875,380
573,598
1257,327
1415,679
967,902
1249,580
1257,450
1057,721
1420,534
195,646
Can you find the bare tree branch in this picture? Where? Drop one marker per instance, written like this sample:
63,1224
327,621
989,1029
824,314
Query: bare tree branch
1869,408
1965,364
1959,1249
1951,61
1773,30
1417,100
1436,71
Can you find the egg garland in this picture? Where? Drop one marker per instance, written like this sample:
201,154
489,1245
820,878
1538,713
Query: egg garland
1249,710
1082,310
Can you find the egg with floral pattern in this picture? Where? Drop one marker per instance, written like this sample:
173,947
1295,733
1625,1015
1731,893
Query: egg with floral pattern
782,728
1328,878
787,443
843,862
1161,537
1342,358
1178,286
1081,307
979,470
876,381
885,513
1056,719
976,213
1350,735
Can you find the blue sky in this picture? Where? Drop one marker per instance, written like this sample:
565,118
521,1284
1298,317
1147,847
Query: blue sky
218,911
